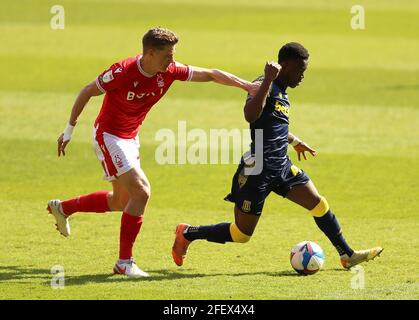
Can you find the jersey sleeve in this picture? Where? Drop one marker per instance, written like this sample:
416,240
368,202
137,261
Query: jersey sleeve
111,78
182,72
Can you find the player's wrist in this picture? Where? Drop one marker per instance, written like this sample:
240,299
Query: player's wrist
68,131
247,86
296,141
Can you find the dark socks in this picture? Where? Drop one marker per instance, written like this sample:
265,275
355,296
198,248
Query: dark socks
331,228
219,233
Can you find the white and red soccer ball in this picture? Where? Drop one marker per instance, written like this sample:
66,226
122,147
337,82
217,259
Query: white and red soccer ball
307,257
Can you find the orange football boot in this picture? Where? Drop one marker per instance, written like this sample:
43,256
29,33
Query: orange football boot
181,244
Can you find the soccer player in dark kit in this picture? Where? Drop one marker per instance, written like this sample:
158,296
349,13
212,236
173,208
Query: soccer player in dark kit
268,111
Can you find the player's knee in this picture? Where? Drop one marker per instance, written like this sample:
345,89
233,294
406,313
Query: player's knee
321,208
141,192
146,190
237,235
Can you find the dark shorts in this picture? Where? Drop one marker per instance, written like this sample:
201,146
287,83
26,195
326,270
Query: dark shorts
249,192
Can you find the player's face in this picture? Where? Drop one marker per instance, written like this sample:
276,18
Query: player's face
295,71
163,58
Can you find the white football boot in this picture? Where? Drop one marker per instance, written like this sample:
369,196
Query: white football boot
63,226
129,268
360,256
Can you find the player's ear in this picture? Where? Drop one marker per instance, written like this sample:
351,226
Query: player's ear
284,66
148,51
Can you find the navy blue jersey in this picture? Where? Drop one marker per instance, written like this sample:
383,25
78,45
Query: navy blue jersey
274,122
249,191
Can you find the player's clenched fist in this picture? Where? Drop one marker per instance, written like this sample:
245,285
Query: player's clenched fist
272,70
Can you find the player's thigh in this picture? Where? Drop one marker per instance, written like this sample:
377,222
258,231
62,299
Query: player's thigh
246,222
135,182
306,195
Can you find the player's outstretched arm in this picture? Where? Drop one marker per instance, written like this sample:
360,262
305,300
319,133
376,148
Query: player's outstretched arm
300,146
254,105
223,77
84,96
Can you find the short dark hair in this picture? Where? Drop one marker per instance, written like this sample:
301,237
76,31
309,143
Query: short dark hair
158,38
292,50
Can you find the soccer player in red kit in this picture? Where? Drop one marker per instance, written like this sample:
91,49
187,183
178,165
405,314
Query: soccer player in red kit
131,88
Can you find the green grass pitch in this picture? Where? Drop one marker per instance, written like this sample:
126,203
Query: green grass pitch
358,106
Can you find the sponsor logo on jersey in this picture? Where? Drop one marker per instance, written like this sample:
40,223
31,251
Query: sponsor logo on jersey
135,84
281,108
132,95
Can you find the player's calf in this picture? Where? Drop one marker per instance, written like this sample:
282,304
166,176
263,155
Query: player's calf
328,223
93,202
219,233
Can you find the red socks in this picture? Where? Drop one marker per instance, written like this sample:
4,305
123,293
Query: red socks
130,227
93,202
98,202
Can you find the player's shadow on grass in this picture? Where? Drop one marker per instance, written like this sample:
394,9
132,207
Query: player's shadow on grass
164,275
336,269
11,273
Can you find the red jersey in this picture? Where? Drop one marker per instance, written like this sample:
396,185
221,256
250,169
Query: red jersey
130,93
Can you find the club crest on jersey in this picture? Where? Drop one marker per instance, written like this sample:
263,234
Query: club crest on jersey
160,81
107,77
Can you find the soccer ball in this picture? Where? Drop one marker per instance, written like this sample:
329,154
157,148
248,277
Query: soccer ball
307,257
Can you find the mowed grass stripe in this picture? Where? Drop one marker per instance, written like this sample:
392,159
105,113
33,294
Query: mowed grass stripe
343,129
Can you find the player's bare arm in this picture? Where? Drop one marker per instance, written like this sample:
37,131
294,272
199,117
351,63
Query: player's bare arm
254,106
223,77
84,96
300,146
